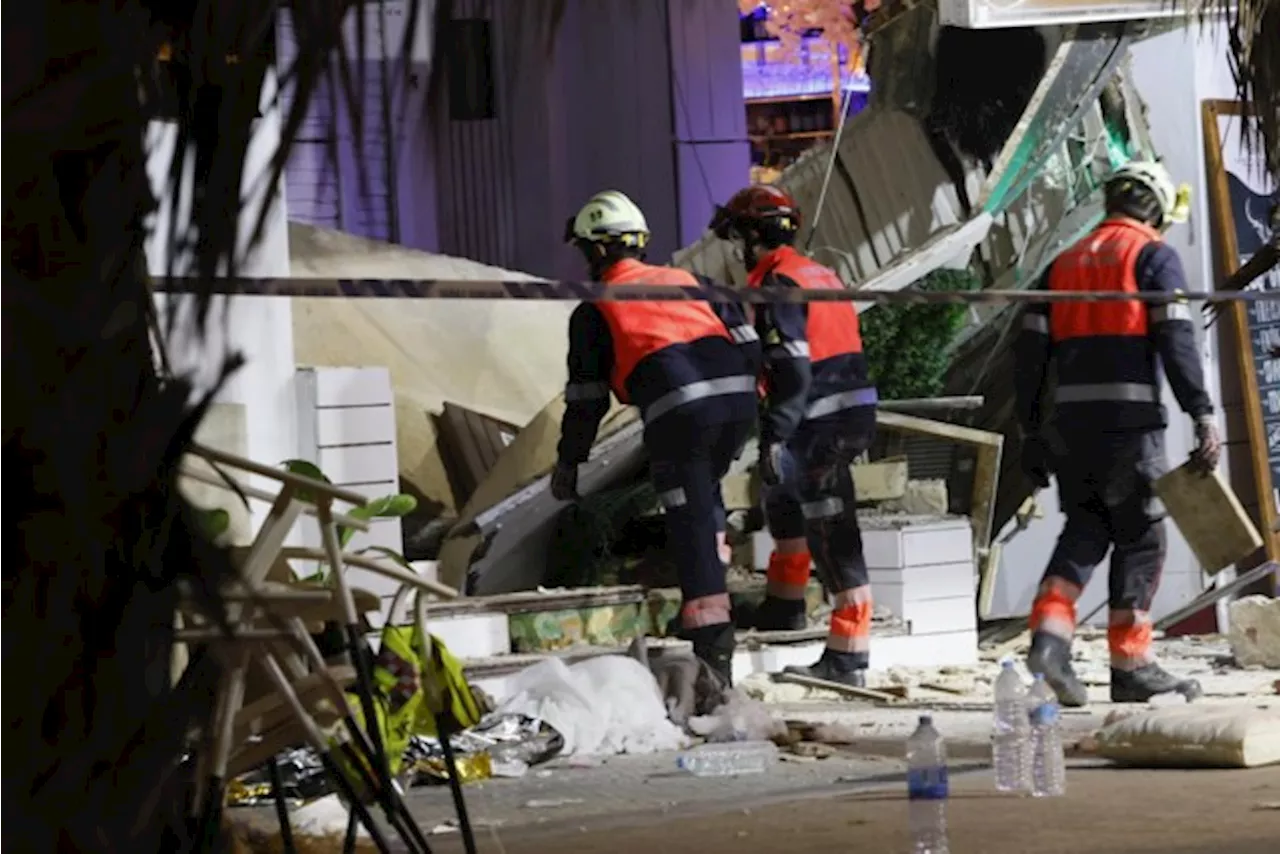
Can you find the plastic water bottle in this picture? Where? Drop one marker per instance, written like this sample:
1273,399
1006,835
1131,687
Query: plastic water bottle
1048,765
927,789
729,758
1011,732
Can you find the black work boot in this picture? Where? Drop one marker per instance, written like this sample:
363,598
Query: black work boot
775,615
714,645
1150,680
1050,656
846,668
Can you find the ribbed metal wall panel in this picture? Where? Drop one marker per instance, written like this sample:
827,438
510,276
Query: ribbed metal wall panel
312,183
332,178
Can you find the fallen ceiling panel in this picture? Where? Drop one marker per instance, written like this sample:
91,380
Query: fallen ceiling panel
501,357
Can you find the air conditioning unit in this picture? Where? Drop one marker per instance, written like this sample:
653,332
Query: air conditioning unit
988,14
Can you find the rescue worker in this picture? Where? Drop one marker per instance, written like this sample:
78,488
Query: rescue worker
818,413
1105,437
691,371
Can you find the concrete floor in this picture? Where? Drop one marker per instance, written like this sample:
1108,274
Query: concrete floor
854,799
1106,811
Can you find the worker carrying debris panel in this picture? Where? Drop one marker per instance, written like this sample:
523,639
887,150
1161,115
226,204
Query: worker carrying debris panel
691,370
1105,437
818,413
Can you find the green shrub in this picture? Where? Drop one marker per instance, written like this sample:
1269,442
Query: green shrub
907,346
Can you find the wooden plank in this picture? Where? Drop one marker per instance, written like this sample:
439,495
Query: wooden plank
989,447
882,697
1228,254
1209,516
470,444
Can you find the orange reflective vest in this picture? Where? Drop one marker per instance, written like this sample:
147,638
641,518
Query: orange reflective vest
1104,261
640,329
832,327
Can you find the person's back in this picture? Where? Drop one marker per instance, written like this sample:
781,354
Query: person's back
690,369
1104,439
670,354
1108,368
840,390
818,414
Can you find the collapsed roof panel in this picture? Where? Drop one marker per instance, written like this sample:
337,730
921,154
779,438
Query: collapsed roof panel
891,212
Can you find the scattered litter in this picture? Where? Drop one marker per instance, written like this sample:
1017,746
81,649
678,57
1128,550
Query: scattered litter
325,816
812,750
501,745
1267,805
832,732
450,826
604,705
509,768
760,686
739,718
302,778
549,803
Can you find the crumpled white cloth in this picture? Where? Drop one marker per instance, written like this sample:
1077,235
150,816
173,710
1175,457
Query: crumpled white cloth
602,706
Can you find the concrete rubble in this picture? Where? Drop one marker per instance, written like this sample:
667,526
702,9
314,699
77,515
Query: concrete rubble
1254,631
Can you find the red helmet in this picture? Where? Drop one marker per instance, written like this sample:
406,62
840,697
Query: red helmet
754,206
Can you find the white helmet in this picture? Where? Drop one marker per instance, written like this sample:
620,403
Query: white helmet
1175,203
607,217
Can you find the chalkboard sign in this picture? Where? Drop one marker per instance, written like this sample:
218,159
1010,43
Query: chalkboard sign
1242,195
1264,340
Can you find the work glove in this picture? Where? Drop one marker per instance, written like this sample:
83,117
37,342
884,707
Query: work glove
1208,445
1035,460
564,482
771,463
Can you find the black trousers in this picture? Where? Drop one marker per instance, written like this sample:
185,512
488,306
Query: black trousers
1105,491
816,500
1105,487
690,450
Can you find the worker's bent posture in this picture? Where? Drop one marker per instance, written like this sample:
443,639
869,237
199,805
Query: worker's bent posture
691,371
818,414
1105,439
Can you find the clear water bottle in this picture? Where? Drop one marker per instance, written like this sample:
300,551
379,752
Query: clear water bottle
1048,765
927,789
1011,732
729,758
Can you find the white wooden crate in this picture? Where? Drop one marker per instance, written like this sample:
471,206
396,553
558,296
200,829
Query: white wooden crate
347,427
899,587
890,545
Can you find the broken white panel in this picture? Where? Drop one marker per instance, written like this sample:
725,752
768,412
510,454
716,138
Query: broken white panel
347,427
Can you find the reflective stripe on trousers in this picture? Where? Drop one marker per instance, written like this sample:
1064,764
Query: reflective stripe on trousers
1107,393
744,334
1054,611
739,384
1129,637
851,621
788,575
713,610
833,403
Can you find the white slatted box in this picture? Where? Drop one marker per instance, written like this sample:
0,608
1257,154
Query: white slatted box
347,426
916,541
923,571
